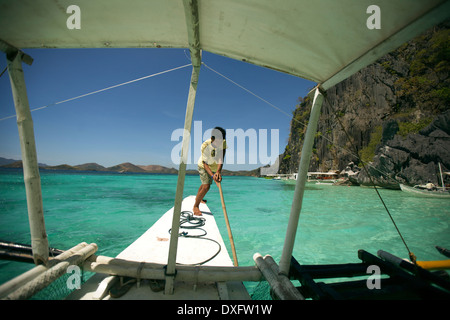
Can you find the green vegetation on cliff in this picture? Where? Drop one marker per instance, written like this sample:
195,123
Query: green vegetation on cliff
409,87
367,153
427,84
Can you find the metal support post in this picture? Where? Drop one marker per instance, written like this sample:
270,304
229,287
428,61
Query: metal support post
300,184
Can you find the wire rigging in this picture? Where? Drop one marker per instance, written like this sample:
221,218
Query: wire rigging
187,218
4,70
298,121
245,89
104,89
353,152
411,255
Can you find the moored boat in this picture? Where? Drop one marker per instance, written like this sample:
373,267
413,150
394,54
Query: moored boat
427,192
267,35
329,177
429,189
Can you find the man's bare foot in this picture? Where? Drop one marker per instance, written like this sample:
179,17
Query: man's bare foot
197,211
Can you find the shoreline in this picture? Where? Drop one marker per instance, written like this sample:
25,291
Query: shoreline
75,171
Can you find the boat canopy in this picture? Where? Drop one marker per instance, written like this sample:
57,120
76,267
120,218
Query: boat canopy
322,40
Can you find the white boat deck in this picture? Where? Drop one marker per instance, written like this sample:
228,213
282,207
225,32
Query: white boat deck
153,246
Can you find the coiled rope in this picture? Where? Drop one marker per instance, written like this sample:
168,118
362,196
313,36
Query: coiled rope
190,222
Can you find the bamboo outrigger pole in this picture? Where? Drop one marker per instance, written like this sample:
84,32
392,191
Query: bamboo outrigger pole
230,235
296,207
39,240
170,271
192,22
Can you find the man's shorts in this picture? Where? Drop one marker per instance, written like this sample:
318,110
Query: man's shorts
205,178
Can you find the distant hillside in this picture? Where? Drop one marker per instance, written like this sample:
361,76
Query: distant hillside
158,169
90,167
126,167
13,164
61,167
4,161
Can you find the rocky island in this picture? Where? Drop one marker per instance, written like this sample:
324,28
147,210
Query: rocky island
393,116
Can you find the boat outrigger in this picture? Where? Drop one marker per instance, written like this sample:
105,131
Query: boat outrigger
308,39
200,244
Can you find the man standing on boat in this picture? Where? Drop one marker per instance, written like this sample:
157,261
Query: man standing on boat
210,161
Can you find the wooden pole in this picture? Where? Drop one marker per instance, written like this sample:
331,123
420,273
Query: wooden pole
442,178
45,278
230,235
148,270
28,276
280,284
180,184
39,240
21,252
192,24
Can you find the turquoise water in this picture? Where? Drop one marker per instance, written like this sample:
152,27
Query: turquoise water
112,210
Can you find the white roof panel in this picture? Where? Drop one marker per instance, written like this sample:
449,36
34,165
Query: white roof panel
321,40
104,23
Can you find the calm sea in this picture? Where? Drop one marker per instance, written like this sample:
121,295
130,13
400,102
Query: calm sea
112,210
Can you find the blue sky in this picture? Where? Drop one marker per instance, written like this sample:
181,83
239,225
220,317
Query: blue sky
134,123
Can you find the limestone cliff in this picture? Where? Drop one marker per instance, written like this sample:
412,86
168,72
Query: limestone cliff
393,115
